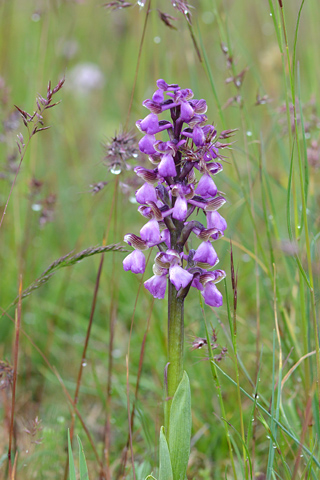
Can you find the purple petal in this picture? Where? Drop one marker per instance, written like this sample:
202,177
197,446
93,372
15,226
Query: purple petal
158,96
166,237
166,167
162,84
206,187
198,136
215,220
186,112
146,144
180,208
135,262
206,254
150,233
157,285
150,124
211,295
197,284
147,193
179,276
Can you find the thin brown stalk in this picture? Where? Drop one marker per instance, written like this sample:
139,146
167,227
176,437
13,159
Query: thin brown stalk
14,380
15,463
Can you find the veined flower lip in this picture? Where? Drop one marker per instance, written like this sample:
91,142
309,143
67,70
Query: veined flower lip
148,176
135,241
215,204
216,276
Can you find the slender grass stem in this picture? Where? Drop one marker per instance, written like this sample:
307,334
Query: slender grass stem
14,380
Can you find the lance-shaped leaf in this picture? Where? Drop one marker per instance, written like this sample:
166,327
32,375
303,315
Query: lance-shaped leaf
180,429
165,469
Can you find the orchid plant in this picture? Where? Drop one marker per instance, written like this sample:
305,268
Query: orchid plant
179,185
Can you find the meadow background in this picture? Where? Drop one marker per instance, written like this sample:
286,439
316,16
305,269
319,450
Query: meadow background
258,73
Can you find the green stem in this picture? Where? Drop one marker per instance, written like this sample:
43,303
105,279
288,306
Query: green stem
175,348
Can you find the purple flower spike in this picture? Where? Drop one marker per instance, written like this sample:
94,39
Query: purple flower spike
206,187
166,167
146,144
179,277
157,285
180,209
206,254
211,295
150,233
147,193
135,262
188,149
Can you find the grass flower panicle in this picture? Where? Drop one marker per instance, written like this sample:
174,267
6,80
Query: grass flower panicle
172,192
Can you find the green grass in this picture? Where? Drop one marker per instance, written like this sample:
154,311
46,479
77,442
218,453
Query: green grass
256,411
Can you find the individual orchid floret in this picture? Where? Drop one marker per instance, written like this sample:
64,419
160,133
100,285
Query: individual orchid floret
198,136
167,167
205,253
179,277
215,220
146,144
157,286
211,295
151,125
147,193
206,187
135,262
150,233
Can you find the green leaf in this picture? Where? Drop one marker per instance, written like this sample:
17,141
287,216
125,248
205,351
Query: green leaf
84,475
72,470
165,469
150,477
180,429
